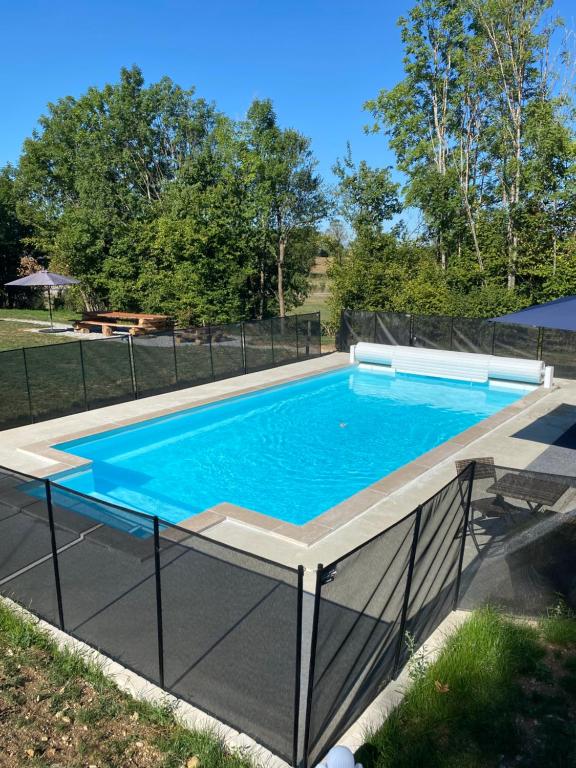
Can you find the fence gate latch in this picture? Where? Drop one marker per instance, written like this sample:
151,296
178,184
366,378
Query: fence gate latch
328,576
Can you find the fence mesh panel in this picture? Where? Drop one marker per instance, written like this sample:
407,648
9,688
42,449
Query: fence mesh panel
55,380
470,334
154,363
521,541
285,335
309,335
515,340
107,371
25,539
236,661
258,345
193,362
14,401
438,549
108,578
432,332
227,354
358,632
559,350
392,328
356,326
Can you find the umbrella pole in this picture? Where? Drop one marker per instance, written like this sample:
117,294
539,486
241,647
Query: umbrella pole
50,309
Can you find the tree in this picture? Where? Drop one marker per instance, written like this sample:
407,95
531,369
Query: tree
12,231
484,135
287,191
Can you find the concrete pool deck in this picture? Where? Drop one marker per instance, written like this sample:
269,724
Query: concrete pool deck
515,437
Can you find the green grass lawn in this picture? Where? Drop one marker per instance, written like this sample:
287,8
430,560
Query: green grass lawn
14,334
59,315
501,693
58,710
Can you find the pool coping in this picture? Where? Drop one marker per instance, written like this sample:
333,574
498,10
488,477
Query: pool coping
324,524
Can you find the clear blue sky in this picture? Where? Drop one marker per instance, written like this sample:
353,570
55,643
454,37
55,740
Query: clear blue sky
318,60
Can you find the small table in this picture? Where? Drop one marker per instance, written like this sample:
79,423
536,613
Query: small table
537,492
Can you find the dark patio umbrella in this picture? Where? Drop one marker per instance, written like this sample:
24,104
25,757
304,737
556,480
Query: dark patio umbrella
46,280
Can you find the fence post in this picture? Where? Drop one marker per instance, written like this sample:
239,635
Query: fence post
297,339
539,343
133,366
308,337
493,337
411,330
54,553
299,601
243,343
175,360
313,642
272,341
406,603
319,333
451,333
158,602
209,327
375,327
83,376
466,518
28,386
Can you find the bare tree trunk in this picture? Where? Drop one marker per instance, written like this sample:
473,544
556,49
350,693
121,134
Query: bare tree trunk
280,263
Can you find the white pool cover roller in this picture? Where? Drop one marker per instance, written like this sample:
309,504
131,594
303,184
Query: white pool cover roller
467,366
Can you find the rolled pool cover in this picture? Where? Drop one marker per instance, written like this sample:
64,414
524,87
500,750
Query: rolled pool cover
467,366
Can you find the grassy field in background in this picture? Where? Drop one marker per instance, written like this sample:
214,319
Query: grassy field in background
502,693
60,315
14,335
58,710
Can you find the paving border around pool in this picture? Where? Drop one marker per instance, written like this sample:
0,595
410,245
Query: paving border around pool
257,532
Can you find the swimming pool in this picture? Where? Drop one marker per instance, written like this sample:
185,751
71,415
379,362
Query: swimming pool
291,451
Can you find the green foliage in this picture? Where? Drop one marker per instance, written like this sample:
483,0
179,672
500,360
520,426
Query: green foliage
158,202
461,710
484,135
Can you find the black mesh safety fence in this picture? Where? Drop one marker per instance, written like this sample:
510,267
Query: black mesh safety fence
193,356
520,542
392,328
258,345
472,334
285,339
239,659
559,349
55,380
432,331
25,539
40,383
107,371
227,350
15,404
516,340
107,578
359,617
437,559
154,360
309,335
358,325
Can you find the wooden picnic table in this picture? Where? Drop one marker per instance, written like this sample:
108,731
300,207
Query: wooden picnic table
135,322
537,492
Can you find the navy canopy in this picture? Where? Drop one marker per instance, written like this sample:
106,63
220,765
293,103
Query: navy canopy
45,279
560,314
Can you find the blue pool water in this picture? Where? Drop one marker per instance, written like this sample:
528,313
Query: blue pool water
291,451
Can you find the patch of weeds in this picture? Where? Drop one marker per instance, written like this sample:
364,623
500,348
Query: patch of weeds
559,627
